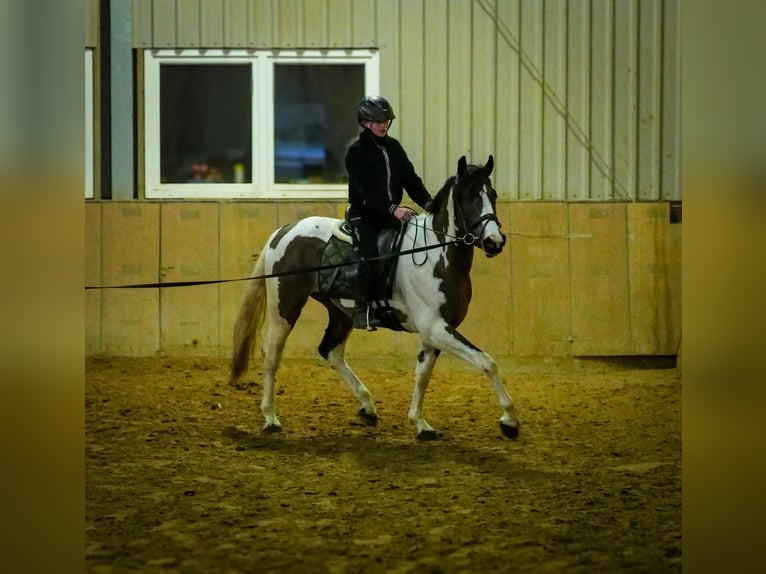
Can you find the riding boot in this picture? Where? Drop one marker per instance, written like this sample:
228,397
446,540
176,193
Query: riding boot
364,315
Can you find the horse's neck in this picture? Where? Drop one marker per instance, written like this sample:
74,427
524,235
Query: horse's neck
448,229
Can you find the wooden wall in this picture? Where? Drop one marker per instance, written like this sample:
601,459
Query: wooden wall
575,279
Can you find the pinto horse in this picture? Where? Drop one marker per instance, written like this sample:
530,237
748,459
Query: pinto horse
430,295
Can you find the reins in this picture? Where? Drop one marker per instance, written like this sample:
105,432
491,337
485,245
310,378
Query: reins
272,275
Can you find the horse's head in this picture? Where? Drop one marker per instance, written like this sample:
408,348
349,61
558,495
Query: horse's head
475,200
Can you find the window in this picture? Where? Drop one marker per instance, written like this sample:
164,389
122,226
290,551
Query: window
89,163
237,123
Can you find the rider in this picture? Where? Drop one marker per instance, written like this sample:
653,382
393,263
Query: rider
378,170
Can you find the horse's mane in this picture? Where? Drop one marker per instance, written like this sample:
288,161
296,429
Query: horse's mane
443,192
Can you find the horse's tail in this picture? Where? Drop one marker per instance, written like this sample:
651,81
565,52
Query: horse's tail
248,325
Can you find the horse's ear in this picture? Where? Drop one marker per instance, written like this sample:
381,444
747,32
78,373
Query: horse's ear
461,166
489,165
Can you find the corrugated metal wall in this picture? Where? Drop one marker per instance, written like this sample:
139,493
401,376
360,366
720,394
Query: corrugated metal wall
578,100
91,23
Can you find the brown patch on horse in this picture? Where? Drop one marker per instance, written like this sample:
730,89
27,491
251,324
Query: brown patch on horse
295,289
455,283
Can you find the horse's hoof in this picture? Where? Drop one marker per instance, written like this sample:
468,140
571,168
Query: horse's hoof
426,434
272,428
371,420
509,431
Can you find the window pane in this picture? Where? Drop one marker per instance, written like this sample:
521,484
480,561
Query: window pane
315,120
205,123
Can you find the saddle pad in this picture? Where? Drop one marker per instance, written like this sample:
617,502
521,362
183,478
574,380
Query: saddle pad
339,281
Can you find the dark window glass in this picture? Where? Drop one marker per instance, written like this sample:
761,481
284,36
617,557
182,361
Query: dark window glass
314,120
205,123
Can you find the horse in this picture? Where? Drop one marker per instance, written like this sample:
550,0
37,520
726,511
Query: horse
430,295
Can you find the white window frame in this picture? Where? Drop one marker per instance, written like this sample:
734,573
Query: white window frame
262,168
89,149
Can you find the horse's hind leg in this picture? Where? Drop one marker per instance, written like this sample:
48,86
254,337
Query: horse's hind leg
332,348
273,344
426,361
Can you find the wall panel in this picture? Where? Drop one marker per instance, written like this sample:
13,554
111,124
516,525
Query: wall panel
289,24
626,101
93,267
577,101
599,279
654,252
212,18
235,24
389,38
506,148
554,103
260,23
539,252
188,22
531,101
92,30
458,89
363,24
189,316
164,23
601,101
339,19
142,24
130,255
314,24
411,111
483,82
649,96
670,177
436,165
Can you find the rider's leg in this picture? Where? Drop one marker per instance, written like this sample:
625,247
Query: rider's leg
363,316
365,241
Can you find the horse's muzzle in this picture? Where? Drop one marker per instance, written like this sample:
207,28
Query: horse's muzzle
493,245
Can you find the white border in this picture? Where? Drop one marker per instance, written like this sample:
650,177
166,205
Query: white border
262,168
89,148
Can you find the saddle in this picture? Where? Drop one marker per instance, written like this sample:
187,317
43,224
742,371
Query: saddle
338,278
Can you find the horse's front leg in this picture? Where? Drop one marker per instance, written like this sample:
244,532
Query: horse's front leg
425,366
448,339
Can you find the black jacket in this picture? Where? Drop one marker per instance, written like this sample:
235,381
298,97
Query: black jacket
376,180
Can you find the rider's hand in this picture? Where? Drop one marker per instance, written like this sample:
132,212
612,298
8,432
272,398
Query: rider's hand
402,214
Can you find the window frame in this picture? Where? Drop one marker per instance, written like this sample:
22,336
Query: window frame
262,64
90,166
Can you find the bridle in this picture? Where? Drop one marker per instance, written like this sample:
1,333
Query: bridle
469,238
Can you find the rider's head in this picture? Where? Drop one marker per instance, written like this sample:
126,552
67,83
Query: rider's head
375,114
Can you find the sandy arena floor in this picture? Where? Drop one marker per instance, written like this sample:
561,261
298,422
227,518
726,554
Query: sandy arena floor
180,479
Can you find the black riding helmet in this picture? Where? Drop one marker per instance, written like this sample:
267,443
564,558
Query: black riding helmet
375,109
